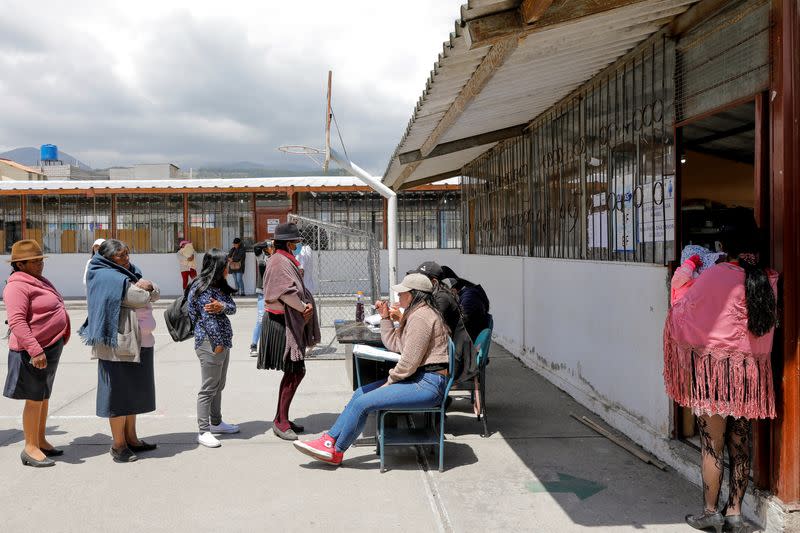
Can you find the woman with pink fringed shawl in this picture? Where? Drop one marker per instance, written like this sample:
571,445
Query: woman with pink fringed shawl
717,345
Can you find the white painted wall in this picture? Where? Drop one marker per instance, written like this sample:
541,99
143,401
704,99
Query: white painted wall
594,329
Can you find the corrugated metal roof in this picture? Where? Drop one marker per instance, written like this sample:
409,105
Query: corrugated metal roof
177,184
544,68
20,166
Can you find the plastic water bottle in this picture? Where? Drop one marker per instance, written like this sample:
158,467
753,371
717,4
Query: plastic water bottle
359,307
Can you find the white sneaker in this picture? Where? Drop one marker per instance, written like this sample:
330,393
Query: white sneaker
224,427
208,440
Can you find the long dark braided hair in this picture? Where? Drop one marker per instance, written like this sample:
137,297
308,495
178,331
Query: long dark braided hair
741,240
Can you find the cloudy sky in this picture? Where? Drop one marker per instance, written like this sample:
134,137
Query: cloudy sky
120,82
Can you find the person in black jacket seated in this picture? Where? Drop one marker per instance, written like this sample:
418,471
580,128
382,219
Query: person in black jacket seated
465,356
473,301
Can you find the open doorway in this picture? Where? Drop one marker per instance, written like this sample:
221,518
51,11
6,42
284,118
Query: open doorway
717,159
722,164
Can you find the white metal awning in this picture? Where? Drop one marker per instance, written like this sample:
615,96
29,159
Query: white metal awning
307,182
498,71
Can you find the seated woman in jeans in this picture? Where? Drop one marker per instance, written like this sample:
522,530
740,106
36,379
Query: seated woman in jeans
418,380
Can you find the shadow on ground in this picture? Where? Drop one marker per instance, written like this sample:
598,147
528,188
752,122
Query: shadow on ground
13,436
596,483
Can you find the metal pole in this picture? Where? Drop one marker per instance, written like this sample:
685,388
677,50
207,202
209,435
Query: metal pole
391,214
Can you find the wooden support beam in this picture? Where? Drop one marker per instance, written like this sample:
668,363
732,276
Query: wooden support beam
750,126
491,62
533,10
785,235
695,15
488,30
463,144
430,179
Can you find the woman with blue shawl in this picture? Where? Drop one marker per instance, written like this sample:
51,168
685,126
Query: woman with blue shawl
118,330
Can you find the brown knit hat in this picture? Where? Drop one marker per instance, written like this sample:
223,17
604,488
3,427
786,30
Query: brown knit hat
26,250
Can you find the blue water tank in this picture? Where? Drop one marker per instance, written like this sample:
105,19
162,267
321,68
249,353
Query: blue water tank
49,152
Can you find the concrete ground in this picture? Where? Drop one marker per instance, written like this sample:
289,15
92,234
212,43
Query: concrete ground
540,470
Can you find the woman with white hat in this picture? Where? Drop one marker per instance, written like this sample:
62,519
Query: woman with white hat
40,328
417,380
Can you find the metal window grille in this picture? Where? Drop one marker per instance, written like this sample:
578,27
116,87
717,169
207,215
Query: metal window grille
150,223
10,221
216,219
358,210
593,178
428,219
68,224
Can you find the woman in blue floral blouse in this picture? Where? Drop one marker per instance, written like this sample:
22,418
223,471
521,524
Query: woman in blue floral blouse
209,304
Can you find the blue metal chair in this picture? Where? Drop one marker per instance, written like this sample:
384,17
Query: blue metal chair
484,343
417,436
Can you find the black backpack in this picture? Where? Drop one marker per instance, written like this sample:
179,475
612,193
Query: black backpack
176,315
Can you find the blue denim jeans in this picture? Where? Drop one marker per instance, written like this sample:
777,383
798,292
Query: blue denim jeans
423,389
238,278
259,317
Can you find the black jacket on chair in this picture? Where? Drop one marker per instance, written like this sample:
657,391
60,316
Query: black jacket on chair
465,357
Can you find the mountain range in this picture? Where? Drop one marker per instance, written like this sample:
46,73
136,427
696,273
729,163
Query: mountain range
289,166
30,156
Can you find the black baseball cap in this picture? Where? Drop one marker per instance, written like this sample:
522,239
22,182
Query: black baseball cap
447,273
430,269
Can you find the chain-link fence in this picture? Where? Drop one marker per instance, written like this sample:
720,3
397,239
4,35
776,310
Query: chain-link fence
342,262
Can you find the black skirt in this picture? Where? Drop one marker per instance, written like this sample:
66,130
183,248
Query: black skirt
272,345
26,382
126,388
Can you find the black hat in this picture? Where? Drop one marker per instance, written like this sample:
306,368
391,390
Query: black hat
237,240
430,269
287,232
447,273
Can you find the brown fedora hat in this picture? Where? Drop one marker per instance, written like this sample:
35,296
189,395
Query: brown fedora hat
26,250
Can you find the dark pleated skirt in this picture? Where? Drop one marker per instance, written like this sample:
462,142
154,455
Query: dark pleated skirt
126,388
272,344
26,382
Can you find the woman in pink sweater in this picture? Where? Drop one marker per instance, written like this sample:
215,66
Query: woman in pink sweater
39,330
717,345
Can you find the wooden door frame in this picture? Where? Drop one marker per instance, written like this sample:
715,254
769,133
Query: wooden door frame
762,430
784,109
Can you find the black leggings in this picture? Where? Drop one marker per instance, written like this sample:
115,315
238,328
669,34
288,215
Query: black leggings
716,432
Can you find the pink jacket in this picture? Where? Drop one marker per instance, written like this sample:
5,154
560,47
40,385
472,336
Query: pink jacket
713,313
36,313
712,362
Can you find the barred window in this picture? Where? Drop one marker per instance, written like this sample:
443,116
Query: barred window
216,219
358,210
10,221
150,223
594,177
429,219
68,224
